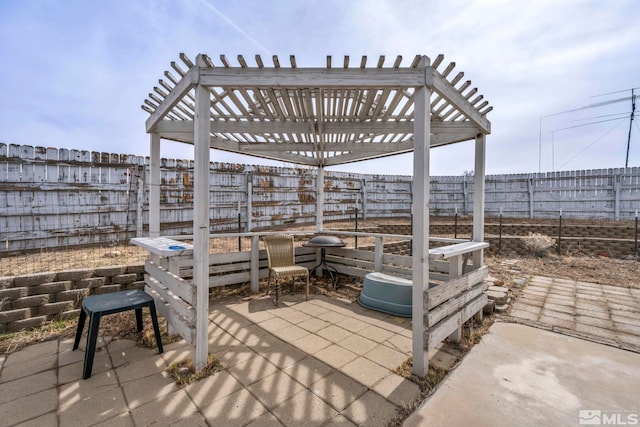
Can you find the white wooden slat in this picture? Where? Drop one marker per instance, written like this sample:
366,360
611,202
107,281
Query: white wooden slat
446,252
179,325
182,309
455,304
443,329
447,91
179,287
445,73
438,61
187,82
455,287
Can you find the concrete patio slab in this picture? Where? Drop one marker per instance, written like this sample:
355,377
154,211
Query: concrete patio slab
525,376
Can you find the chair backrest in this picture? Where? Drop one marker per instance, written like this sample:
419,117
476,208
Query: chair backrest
280,252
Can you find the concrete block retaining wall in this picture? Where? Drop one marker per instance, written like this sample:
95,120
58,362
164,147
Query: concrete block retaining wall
27,302
615,241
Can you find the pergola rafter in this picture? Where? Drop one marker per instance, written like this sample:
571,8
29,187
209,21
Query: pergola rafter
322,117
315,115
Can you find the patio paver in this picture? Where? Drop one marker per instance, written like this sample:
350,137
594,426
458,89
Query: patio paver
602,313
285,365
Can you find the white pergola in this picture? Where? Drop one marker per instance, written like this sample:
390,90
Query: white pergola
317,116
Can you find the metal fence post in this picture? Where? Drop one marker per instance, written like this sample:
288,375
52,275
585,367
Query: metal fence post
560,233
356,236
500,233
455,224
635,245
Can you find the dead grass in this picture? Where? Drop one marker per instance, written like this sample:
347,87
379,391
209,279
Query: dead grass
92,257
16,341
183,372
595,269
119,326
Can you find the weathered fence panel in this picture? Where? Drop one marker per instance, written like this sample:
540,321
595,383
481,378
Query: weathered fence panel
51,198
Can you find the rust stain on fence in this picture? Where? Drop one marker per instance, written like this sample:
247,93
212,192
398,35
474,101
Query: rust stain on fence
265,183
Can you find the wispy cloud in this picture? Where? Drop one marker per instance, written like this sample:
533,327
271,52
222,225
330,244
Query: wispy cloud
76,72
236,27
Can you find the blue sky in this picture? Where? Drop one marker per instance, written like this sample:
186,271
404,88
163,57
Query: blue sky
74,72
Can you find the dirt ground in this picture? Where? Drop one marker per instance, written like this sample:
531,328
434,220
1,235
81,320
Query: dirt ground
595,269
604,270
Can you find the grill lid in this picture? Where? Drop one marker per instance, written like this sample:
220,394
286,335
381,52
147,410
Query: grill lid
325,241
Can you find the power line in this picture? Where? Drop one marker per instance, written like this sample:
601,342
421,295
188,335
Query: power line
618,91
597,104
589,146
599,117
592,123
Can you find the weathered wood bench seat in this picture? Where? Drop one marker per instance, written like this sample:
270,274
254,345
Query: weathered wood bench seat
446,252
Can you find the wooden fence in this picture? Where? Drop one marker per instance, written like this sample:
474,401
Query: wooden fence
59,198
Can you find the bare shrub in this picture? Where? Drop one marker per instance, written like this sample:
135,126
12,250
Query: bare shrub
538,243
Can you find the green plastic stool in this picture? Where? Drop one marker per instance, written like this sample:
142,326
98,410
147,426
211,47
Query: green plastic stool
100,305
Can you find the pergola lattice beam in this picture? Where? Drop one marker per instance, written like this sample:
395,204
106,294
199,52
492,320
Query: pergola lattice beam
235,147
188,82
317,107
319,77
308,126
449,92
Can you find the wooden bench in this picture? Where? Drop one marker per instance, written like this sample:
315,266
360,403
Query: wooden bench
446,252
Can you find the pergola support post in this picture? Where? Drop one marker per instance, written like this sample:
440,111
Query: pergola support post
201,224
154,186
478,197
320,200
249,201
255,264
319,211
420,244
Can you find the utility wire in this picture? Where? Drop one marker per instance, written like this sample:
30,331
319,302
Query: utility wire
611,93
598,139
599,117
591,123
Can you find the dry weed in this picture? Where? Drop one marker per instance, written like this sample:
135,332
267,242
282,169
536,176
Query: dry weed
427,384
183,373
12,342
538,242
